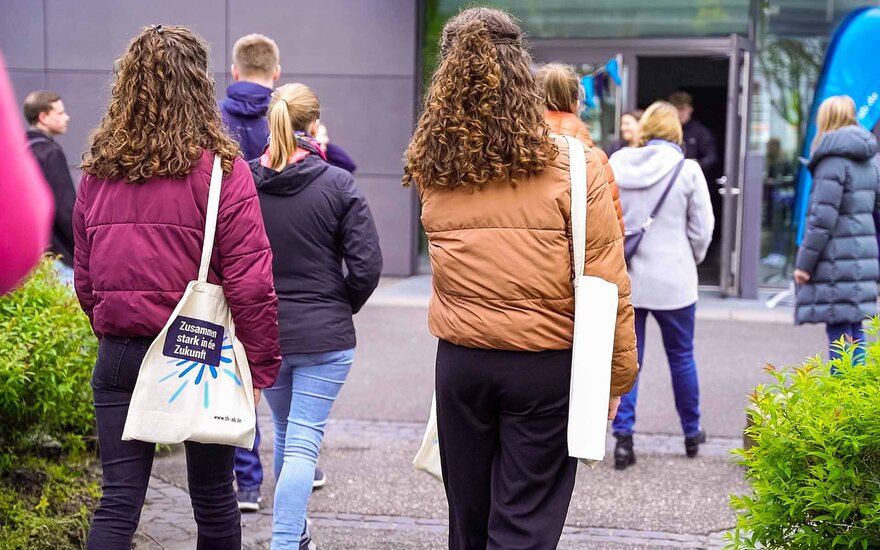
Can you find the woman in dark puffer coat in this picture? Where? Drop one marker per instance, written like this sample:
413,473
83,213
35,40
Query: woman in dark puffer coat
837,268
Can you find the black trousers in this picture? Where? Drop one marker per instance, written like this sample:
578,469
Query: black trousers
127,464
502,418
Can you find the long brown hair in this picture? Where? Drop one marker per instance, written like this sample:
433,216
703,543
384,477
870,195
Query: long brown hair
483,119
561,87
293,108
162,112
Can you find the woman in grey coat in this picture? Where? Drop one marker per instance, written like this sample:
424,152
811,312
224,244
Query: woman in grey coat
664,268
837,269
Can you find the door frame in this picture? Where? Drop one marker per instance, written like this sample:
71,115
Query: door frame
739,51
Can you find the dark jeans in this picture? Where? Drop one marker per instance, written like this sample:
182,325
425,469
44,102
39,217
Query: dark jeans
677,329
502,418
127,464
248,468
854,332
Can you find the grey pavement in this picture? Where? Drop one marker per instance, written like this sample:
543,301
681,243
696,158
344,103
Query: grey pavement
374,499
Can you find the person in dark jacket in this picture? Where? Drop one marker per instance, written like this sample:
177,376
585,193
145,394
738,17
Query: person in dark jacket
629,132
46,117
139,225
699,144
836,270
317,221
255,69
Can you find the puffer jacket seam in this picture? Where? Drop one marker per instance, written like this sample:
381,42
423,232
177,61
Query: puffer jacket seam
437,231
163,224
528,299
248,253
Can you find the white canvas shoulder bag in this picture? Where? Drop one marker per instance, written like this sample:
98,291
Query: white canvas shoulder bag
195,382
595,320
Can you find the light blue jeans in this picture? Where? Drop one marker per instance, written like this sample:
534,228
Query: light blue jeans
65,273
301,400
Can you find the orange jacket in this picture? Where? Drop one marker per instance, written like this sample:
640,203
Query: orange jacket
502,264
568,124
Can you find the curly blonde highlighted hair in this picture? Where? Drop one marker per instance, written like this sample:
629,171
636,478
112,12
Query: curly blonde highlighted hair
162,112
483,119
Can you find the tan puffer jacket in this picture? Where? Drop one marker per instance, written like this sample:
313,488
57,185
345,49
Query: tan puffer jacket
502,263
568,124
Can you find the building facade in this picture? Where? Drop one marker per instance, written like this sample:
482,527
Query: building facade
361,58
751,66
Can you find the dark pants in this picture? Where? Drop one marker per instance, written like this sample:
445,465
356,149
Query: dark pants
502,418
248,468
677,330
851,331
127,464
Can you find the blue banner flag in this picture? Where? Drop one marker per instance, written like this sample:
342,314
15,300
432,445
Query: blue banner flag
589,92
850,68
613,70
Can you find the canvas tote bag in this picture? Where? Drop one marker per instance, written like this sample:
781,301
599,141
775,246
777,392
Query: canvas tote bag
195,383
595,320
428,457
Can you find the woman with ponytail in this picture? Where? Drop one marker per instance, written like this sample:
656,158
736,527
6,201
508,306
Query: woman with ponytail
496,205
562,91
317,220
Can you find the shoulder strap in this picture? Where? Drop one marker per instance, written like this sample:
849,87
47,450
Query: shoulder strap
211,218
665,193
577,163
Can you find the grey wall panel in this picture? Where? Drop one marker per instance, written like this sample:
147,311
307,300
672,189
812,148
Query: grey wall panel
25,82
371,118
359,57
333,36
103,28
219,85
21,33
392,208
85,97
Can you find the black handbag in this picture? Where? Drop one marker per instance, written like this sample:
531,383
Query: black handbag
633,238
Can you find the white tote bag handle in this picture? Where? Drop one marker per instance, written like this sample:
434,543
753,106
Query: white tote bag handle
211,219
578,171
595,321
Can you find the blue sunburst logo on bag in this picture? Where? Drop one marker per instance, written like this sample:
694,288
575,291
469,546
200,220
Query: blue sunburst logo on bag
201,352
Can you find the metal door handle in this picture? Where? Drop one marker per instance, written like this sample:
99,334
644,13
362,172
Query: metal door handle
721,181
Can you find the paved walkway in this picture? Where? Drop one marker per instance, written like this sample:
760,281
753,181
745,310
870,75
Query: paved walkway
375,500
167,518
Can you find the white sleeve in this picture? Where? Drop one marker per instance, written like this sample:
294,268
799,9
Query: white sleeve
700,218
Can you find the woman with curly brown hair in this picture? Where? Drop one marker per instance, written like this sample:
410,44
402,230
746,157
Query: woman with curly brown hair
496,204
139,224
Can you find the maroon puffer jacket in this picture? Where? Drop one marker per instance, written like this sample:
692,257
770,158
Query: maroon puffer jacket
138,245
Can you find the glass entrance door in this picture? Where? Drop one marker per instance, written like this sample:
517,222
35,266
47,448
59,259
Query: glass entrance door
716,72
732,183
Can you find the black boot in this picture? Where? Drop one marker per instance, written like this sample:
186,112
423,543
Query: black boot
692,444
624,456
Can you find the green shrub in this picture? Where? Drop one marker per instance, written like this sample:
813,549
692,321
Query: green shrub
815,464
47,352
46,505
